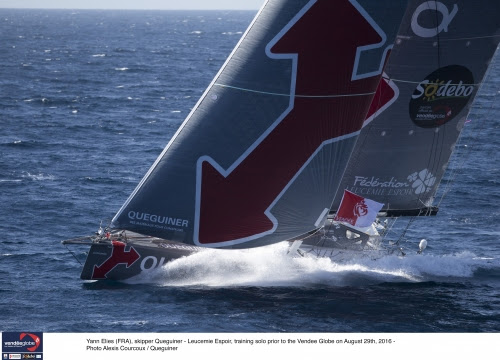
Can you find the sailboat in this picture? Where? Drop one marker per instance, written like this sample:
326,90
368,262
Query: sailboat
319,101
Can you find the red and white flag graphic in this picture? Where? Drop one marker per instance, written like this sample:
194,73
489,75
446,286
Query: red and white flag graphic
356,210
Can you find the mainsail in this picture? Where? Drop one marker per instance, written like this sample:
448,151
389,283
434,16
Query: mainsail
260,157
438,62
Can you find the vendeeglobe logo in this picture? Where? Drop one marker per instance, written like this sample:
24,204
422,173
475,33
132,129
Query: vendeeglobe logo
22,342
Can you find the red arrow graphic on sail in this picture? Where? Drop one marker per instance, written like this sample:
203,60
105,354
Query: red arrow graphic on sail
325,38
387,93
118,256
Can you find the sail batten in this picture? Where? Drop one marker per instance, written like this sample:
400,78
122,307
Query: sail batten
294,95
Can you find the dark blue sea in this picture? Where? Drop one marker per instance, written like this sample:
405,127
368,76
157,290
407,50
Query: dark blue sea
88,100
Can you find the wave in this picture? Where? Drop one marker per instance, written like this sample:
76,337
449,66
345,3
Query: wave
55,102
138,69
38,177
271,266
29,176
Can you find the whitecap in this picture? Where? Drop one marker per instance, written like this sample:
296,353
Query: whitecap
38,177
266,266
272,266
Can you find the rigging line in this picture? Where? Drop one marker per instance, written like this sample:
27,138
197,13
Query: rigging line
315,247
471,38
290,95
71,252
441,138
410,222
403,234
430,83
307,236
388,230
436,151
453,171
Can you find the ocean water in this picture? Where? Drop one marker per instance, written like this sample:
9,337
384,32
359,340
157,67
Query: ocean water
88,100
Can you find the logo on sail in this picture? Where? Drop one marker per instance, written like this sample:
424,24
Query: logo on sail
236,204
441,96
445,15
416,183
157,221
422,181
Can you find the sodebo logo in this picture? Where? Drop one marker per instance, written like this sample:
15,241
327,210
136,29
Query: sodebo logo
441,96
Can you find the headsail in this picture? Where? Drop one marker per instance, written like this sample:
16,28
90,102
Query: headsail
438,62
260,157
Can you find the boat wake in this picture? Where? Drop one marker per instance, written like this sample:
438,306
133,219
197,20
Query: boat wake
271,266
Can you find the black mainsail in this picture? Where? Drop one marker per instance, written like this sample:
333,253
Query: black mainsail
440,57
